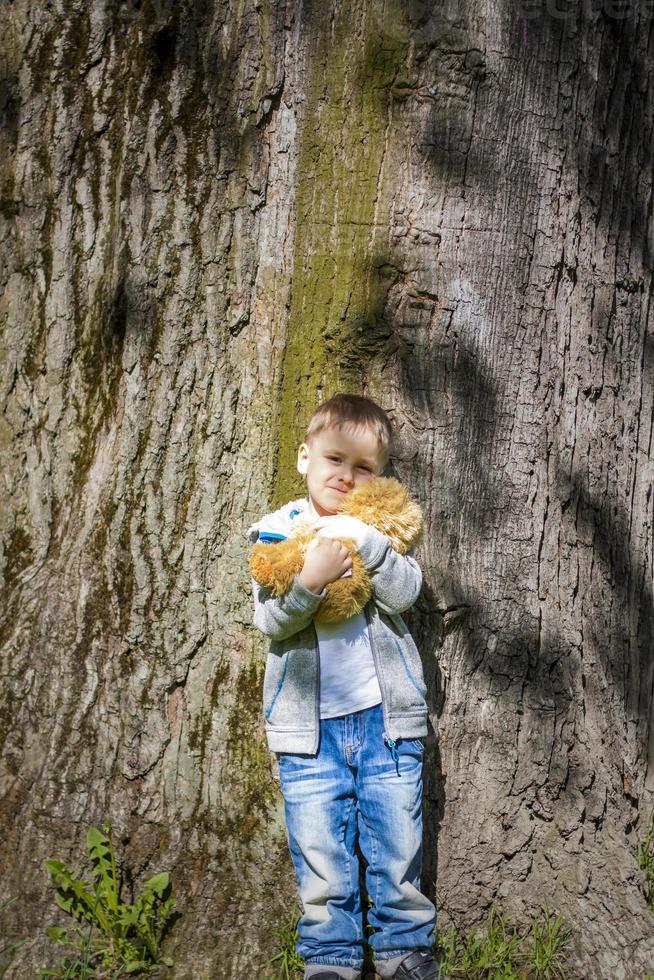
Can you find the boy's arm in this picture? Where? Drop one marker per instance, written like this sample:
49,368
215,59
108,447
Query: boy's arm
396,579
287,615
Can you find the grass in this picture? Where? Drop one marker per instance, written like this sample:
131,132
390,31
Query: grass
500,952
286,963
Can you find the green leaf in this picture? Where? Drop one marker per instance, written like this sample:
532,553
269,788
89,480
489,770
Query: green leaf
158,883
128,916
104,867
76,901
55,867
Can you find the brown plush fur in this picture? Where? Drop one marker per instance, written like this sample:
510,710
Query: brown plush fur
382,502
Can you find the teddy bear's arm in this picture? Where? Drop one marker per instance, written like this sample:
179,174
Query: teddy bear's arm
396,579
280,617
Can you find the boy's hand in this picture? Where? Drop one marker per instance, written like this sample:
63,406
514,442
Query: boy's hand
325,561
342,526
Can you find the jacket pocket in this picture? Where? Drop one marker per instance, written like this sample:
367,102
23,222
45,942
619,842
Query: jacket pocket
412,665
276,669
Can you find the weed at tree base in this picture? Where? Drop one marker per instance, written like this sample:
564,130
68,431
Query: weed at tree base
286,964
121,939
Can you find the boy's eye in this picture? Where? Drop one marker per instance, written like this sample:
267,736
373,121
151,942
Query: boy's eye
337,459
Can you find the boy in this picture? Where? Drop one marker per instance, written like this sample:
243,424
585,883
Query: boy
345,712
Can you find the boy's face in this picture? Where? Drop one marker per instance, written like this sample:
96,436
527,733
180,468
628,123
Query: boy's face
337,460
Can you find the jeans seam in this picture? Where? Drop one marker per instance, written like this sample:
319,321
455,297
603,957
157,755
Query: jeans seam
354,872
373,858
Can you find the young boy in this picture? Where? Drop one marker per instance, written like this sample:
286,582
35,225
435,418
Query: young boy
345,712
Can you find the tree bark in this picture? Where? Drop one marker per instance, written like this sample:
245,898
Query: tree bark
214,215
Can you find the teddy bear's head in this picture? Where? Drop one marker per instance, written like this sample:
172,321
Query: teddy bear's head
386,504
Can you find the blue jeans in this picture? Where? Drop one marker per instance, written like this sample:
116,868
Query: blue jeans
355,783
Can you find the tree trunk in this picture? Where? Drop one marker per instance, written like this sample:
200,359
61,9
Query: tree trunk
212,216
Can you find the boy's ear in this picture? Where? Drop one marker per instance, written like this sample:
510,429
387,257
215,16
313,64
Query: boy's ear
302,459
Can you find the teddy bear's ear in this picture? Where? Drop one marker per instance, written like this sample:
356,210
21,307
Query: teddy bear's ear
385,503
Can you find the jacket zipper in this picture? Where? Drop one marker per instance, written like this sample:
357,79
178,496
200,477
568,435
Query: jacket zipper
317,649
389,741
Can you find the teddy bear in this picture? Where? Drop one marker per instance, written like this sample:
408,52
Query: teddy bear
382,502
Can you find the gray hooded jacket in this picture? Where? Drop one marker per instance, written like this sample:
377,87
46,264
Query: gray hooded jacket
291,687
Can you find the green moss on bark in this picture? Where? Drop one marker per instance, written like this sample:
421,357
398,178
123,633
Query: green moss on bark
341,221
248,756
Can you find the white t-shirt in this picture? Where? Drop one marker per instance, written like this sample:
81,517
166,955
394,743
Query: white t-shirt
348,679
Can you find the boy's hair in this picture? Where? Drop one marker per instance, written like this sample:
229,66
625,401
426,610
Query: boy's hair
356,411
